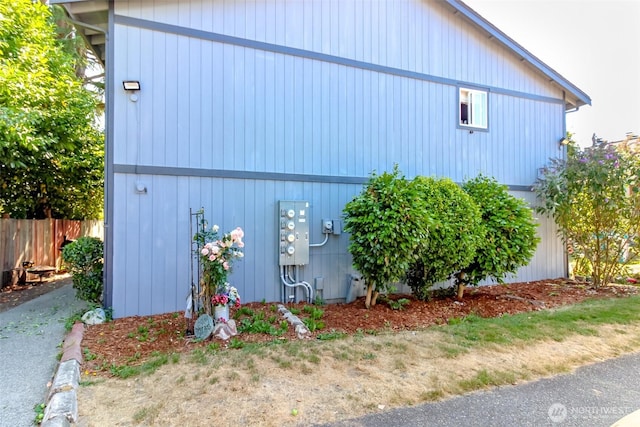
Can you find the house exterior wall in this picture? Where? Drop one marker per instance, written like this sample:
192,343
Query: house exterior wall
245,103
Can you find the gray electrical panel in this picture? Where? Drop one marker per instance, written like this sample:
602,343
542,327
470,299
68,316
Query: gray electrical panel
294,232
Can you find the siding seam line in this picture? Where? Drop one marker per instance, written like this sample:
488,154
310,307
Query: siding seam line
259,176
322,57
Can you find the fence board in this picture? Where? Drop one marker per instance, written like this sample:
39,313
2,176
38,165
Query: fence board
39,241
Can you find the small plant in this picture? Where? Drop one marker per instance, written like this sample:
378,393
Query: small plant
71,320
235,343
398,304
314,313
136,356
150,366
88,356
213,348
256,323
313,324
258,326
244,311
84,259
143,334
39,410
332,335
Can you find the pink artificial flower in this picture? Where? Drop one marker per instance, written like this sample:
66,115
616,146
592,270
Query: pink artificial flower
212,258
225,265
215,250
240,244
219,300
205,251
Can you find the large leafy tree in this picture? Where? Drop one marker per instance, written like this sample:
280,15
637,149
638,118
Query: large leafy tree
51,151
594,198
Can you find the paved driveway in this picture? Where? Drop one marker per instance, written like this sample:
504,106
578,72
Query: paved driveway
30,335
594,395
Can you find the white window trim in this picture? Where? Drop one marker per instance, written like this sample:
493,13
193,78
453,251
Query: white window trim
481,115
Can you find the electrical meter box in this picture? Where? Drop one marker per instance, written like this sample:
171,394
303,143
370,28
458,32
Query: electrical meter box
294,232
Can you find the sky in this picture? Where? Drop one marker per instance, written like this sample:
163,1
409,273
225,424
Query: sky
595,44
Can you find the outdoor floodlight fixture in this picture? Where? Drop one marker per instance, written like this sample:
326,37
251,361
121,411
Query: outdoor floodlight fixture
131,85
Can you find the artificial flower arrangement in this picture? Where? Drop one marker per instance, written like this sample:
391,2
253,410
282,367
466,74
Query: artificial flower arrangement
217,255
226,294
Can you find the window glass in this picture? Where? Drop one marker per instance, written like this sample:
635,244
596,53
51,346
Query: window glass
473,108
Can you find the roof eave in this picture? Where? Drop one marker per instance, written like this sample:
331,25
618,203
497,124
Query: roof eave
90,17
575,98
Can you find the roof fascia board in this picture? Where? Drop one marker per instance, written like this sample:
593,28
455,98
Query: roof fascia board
511,44
581,97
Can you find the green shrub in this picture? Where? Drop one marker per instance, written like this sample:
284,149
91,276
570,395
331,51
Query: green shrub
387,223
84,259
510,240
454,233
594,198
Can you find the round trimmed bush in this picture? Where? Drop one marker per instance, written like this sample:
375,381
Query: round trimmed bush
84,259
455,230
386,222
510,240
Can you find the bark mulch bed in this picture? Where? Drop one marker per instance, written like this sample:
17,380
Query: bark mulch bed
132,340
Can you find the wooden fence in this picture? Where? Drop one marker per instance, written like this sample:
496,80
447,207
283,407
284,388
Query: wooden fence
39,240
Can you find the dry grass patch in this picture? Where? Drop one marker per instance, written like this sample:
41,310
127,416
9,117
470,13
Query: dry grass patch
335,380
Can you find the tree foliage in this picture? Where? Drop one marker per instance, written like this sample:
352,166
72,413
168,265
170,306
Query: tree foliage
51,152
510,233
454,234
594,198
387,223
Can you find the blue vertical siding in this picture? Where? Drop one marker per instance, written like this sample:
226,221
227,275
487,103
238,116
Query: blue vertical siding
213,105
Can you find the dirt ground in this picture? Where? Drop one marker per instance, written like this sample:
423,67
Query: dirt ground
12,296
390,359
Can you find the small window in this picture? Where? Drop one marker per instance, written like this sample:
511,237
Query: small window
473,108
